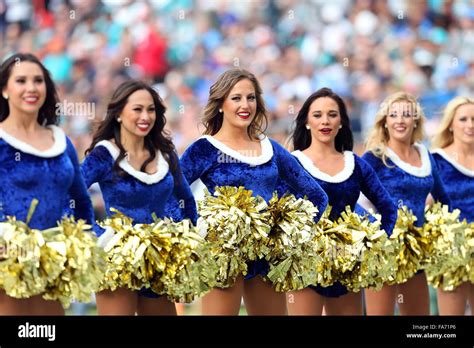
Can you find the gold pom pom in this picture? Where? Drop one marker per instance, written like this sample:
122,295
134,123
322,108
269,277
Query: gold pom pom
184,259
291,243
28,262
125,245
292,223
169,257
238,227
372,254
333,250
84,266
411,243
470,243
450,254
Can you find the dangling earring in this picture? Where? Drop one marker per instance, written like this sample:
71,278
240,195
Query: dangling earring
308,127
119,119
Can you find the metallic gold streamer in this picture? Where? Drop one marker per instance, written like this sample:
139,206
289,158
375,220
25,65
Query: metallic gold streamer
28,261
125,247
373,258
188,270
238,227
84,266
333,249
293,221
470,243
450,254
411,244
169,257
291,243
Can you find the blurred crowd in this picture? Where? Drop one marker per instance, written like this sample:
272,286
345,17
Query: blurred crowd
362,49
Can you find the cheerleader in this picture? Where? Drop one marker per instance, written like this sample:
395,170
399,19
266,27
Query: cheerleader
454,155
135,164
38,161
235,152
407,171
323,141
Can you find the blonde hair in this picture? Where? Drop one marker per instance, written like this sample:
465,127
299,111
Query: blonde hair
378,138
443,136
213,119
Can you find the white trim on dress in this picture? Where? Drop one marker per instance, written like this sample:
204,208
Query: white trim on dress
343,175
162,166
57,149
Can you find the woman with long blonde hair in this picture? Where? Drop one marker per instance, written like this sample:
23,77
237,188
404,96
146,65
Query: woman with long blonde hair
408,172
453,152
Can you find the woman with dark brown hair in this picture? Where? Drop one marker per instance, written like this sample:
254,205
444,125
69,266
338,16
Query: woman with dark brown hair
134,161
234,151
322,143
37,161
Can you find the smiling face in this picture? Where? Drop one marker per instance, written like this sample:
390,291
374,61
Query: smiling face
25,89
138,115
324,120
240,105
401,120
463,124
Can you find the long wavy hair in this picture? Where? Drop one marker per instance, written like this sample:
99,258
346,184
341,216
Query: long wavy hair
47,113
443,136
301,137
377,140
156,139
219,91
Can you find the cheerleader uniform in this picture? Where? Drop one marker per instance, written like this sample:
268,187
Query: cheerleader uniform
216,164
343,189
409,185
138,194
52,176
459,182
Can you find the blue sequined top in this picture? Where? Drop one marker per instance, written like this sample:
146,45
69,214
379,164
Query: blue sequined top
343,189
459,183
52,176
409,185
218,165
138,194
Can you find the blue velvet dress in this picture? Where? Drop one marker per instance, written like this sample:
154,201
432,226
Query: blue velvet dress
343,189
215,164
52,176
138,194
459,183
409,185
